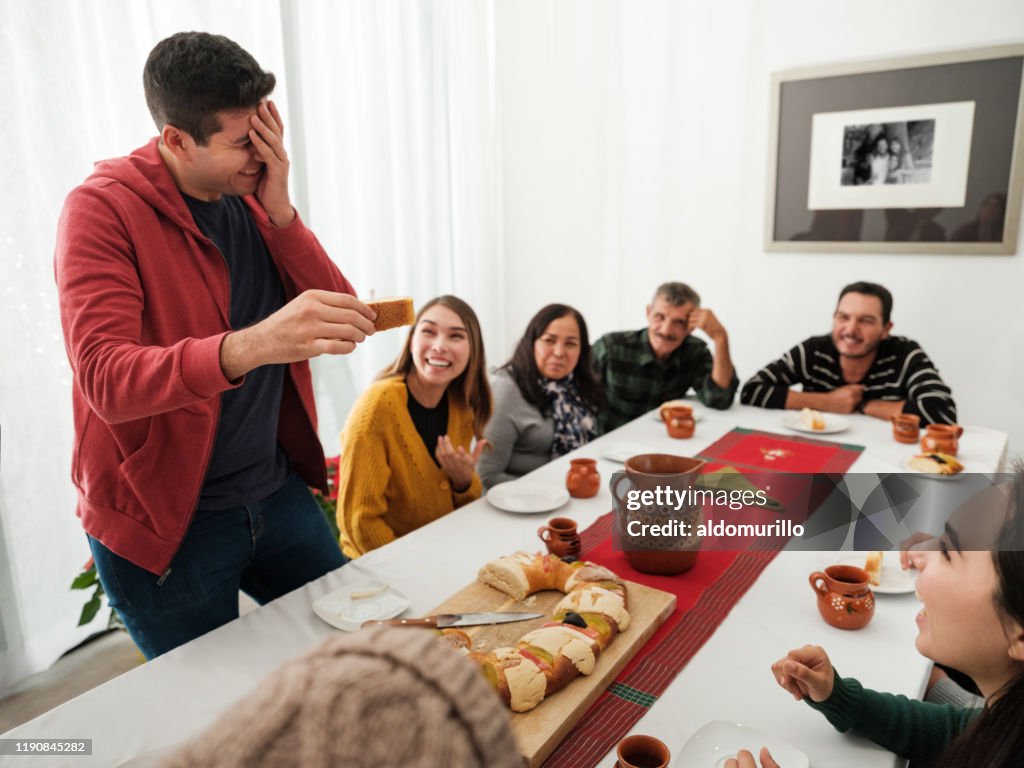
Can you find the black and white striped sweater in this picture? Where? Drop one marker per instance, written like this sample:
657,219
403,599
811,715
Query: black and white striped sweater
901,371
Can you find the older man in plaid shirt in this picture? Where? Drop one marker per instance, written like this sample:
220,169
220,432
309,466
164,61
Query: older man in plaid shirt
642,369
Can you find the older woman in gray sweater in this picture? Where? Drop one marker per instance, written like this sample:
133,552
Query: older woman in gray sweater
545,398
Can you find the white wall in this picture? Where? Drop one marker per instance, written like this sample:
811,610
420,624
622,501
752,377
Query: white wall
635,139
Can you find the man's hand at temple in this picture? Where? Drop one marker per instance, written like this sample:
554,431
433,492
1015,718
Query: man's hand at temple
267,136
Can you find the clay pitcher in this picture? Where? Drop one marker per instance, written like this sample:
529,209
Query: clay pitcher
906,427
941,438
668,555
583,480
678,420
844,598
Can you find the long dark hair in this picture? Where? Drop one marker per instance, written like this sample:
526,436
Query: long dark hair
996,739
471,389
522,367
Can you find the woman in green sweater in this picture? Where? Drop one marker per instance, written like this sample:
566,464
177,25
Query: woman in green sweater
972,587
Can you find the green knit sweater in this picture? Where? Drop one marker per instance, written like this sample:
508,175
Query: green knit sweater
915,730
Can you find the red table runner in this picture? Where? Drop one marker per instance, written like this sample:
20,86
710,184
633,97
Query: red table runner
756,451
705,594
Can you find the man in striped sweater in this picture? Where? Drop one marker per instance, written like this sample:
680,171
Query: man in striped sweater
858,367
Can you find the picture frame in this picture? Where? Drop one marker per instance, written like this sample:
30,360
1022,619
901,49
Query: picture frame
919,154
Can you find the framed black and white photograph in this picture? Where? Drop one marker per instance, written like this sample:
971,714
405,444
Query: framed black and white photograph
915,155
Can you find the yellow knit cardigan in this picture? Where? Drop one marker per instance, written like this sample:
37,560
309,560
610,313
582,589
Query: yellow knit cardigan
388,483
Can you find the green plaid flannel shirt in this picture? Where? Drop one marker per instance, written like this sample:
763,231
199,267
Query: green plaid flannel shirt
635,381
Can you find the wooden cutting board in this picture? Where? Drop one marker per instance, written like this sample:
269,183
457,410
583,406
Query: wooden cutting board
539,731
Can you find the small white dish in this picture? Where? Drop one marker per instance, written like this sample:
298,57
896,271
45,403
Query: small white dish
930,475
527,498
347,608
717,741
833,423
893,580
619,452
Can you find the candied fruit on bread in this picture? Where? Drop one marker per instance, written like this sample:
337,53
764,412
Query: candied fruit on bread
936,464
547,659
392,312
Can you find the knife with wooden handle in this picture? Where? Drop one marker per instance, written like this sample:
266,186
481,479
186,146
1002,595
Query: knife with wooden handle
446,620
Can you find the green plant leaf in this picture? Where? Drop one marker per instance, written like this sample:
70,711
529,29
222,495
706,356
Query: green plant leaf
90,609
85,579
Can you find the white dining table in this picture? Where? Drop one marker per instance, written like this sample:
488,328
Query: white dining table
172,698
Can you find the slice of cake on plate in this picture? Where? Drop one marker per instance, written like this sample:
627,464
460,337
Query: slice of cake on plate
936,464
812,419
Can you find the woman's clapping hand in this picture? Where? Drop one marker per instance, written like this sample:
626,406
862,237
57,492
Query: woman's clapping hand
458,463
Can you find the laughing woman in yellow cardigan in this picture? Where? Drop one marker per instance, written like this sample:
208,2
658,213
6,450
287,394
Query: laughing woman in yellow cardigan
406,455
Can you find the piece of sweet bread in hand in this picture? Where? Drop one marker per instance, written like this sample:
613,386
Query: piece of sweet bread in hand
392,312
936,464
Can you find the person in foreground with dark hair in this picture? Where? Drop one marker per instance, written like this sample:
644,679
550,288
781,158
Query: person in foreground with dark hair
858,367
384,696
639,370
407,453
971,583
191,297
546,397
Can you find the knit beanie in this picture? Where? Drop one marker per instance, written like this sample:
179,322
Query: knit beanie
383,696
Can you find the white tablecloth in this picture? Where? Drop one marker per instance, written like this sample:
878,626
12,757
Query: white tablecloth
173,697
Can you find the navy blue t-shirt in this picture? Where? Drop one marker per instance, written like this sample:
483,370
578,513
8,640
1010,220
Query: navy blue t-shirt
247,463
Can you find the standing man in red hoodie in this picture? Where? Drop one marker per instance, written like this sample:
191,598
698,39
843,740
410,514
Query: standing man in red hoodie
192,297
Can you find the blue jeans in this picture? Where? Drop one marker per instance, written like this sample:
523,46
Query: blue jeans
266,549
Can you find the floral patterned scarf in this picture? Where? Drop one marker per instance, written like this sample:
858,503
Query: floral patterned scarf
575,424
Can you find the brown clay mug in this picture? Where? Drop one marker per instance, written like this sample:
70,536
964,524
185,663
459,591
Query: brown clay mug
844,598
561,537
642,752
583,480
906,427
678,420
666,556
941,438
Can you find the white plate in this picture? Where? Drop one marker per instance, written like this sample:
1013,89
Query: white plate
930,475
893,580
340,610
833,423
719,740
656,415
526,498
621,451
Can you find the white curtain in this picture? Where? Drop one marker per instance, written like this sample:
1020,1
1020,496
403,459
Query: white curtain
390,122
393,127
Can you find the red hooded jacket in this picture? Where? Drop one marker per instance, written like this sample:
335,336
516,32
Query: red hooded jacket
145,304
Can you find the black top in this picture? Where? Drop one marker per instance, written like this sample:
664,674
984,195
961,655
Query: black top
431,423
247,464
